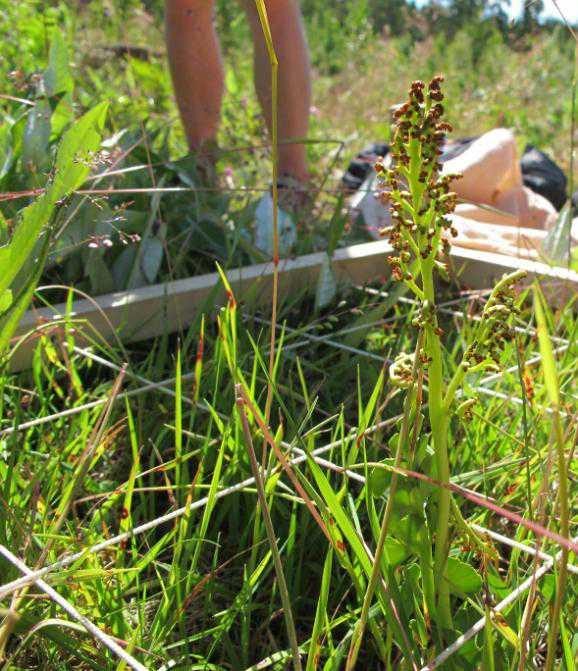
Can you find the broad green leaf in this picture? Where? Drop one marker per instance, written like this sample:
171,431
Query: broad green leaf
9,321
263,227
99,275
57,76
35,152
75,152
13,256
150,251
556,244
326,285
138,266
409,530
5,300
6,149
122,266
380,479
498,586
69,174
151,258
462,578
63,114
548,587
394,552
404,499
17,132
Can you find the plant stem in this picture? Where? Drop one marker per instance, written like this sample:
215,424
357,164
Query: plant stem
489,655
454,385
274,64
427,576
439,428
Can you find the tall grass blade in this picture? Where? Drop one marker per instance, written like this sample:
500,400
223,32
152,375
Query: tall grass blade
284,592
553,391
321,616
274,65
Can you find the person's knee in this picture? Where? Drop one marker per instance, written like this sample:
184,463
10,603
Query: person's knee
189,9
278,11
194,5
280,6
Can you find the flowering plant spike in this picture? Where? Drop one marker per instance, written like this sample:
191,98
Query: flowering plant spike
421,203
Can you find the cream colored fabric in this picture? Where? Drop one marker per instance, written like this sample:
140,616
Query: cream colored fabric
496,211
498,238
494,192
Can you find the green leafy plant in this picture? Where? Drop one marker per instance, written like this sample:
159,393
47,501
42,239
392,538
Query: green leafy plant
200,589
421,202
29,245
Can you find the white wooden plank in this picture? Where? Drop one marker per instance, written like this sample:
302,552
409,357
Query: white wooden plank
166,308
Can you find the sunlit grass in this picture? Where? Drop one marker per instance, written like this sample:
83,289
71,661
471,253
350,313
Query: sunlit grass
233,498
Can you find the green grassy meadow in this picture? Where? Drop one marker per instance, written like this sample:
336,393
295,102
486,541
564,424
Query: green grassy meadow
209,501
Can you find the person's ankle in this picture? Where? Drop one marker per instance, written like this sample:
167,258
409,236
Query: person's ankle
206,155
293,163
294,193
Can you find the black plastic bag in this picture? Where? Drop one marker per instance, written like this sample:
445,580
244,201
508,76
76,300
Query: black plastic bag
543,176
360,167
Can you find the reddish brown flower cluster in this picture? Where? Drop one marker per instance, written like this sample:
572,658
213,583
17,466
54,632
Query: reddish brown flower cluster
418,196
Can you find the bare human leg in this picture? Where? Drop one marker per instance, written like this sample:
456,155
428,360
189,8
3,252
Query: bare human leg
197,71
294,81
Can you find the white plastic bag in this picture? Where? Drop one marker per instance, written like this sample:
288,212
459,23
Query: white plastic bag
264,228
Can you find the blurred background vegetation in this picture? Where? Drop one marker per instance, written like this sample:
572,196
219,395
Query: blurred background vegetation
499,73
